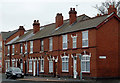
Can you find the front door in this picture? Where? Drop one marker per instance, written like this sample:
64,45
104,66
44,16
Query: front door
25,67
55,69
34,68
75,67
37,67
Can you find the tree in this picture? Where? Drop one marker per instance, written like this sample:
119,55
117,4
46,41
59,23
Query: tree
103,7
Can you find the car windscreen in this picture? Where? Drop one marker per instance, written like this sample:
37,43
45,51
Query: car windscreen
16,70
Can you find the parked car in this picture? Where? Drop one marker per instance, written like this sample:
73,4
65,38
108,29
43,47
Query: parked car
14,72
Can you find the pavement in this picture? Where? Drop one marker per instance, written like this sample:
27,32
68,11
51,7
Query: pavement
54,79
36,79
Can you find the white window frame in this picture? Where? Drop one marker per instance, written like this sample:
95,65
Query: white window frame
64,42
8,50
50,66
21,48
74,42
31,46
85,39
41,45
65,69
51,44
25,48
8,64
30,64
85,60
13,63
13,49
42,65
21,66
16,63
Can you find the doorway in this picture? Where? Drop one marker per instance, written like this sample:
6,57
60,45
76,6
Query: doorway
37,68
25,67
34,68
55,69
75,67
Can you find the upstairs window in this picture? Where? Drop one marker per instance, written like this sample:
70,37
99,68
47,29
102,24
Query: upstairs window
8,50
64,41
50,44
31,46
85,39
74,42
42,45
21,48
13,49
26,48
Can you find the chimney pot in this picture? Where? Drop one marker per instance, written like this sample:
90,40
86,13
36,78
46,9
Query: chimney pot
36,26
72,16
37,21
34,21
112,9
59,20
97,14
21,30
73,9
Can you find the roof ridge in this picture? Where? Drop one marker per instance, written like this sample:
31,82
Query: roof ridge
94,17
64,20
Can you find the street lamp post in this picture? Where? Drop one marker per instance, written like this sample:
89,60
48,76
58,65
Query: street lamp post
80,57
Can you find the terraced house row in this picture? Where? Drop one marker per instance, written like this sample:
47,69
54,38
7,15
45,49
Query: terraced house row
54,49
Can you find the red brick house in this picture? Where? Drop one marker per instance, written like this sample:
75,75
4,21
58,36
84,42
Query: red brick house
4,38
54,49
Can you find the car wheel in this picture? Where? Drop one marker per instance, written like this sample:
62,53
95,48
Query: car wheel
6,77
22,77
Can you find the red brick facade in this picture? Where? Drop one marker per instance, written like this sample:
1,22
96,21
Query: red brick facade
103,49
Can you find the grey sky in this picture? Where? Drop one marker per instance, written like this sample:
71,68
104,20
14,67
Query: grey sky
15,13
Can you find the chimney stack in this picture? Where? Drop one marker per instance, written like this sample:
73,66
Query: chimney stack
72,16
36,26
21,30
112,9
59,20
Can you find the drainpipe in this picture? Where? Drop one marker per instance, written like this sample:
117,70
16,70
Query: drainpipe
4,57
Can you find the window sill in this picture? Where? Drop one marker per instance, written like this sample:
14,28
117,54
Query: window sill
21,53
41,71
85,47
41,51
64,49
50,50
86,72
65,71
25,53
50,73
30,71
31,52
12,54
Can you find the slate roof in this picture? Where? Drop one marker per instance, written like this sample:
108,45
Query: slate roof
66,28
24,37
83,22
6,35
50,30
